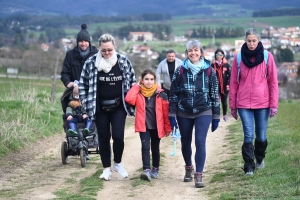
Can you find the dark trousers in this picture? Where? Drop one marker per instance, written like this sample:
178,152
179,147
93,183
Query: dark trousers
150,139
186,126
224,98
111,125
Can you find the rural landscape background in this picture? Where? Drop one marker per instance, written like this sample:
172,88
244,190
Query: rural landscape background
34,37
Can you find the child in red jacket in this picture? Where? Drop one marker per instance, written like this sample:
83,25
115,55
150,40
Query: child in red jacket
151,119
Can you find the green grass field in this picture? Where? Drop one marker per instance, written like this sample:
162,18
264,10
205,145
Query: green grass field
182,24
280,179
27,113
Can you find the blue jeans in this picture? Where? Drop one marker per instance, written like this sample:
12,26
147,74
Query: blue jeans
254,119
186,126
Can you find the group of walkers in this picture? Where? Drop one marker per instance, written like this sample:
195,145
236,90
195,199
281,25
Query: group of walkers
188,98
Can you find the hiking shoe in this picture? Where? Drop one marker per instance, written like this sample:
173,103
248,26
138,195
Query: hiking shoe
226,118
154,172
86,131
249,173
106,174
72,132
189,170
260,166
146,175
119,167
198,180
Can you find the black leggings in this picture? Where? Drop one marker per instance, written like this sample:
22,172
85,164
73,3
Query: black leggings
150,138
111,125
224,98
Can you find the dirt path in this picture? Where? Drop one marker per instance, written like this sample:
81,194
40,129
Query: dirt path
37,172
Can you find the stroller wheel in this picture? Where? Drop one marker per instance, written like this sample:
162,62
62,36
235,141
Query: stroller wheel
82,158
64,152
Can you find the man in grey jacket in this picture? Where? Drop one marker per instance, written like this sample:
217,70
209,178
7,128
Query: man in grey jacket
166,68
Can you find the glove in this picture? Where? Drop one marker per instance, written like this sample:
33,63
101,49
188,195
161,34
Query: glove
273,112
234,113
173,123
214,124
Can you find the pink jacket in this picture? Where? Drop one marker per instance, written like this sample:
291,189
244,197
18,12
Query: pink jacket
254,90
135,98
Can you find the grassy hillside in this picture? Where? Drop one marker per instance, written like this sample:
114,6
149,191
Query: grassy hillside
181,25
280,179
27,113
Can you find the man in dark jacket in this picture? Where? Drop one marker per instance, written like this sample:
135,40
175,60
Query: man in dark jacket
75,58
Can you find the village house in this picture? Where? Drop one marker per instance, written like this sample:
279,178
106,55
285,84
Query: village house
140,36
288,72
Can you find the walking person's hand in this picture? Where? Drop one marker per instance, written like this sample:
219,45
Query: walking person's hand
273,112
173,122
214,124
234,113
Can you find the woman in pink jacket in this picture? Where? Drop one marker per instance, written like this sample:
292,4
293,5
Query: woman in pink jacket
254,96
151,119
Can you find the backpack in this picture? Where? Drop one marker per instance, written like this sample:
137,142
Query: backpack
238,58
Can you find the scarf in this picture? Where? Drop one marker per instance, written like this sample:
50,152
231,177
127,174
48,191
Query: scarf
218,66
195,68
248,55
105,64
148,92
85,53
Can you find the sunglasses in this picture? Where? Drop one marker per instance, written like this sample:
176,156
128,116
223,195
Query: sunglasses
106,50
219,54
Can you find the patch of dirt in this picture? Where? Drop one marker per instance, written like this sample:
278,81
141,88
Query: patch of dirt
37,172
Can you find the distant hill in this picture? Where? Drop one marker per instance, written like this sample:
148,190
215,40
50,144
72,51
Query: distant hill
134,7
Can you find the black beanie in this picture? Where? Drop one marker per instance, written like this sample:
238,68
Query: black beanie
83,34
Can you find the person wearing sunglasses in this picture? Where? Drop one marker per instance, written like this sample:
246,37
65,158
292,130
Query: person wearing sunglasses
222,69
75,58
254,96
105,80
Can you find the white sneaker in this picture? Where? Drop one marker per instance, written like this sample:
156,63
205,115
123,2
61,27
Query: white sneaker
106,174
119,167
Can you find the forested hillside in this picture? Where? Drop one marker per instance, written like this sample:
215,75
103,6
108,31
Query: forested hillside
130,7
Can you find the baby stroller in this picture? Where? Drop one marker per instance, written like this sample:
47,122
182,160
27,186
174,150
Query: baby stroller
81,144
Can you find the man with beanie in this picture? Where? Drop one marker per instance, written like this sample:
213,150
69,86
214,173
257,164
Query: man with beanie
75,58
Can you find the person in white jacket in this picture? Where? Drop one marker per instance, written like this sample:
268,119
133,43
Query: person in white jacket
166,68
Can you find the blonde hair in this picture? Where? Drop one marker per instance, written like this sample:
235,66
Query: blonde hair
107,38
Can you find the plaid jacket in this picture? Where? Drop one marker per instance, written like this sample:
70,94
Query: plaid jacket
88,84
194,93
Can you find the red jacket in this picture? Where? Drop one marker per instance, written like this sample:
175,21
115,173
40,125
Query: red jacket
135,98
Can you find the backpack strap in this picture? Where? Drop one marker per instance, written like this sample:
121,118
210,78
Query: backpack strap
238,58
266,58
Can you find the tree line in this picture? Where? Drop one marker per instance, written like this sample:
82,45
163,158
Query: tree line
219,32
277,12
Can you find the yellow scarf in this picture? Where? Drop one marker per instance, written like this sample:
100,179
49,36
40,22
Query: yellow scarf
148,92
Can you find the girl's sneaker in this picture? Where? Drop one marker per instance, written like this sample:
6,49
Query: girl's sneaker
189,170
146,175
154,172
